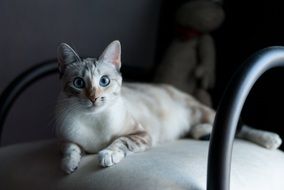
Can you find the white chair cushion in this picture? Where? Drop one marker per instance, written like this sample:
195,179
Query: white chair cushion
177,165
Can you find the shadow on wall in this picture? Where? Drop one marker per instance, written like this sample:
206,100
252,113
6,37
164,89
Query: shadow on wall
31,31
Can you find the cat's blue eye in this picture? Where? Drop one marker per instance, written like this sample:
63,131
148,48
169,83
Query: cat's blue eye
79,82
104,81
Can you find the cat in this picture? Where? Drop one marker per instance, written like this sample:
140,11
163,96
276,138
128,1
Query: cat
95,113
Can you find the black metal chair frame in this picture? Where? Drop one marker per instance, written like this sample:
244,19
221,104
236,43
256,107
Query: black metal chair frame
227,116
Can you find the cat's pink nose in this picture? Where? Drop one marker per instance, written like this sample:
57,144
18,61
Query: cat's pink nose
93,99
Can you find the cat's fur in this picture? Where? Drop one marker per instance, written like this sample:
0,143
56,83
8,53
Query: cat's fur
117,120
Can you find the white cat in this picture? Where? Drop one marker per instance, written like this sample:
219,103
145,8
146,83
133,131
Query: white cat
95,113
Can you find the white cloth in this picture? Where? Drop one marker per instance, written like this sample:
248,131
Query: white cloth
177,165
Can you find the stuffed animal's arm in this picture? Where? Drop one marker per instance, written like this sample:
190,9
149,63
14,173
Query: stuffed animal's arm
206,66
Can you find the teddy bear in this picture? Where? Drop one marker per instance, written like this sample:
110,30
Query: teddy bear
189,61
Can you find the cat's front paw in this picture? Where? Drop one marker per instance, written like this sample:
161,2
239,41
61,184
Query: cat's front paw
271,140
109,157
69,164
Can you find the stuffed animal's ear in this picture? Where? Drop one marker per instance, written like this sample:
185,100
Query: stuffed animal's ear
65,56
112,54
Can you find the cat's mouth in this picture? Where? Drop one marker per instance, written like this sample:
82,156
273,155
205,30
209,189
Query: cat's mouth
95,105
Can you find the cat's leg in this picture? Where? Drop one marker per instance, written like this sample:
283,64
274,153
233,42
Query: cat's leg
123,146
202,121
200,131
266,139
72,154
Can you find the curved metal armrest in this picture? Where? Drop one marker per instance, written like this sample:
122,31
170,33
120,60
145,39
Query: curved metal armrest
228,112
20,83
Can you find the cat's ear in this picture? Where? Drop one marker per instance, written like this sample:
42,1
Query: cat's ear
112,54
65,56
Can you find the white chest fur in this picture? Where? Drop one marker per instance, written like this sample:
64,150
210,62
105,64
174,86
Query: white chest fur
93,132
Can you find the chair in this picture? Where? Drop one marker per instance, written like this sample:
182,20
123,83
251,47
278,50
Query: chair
178,165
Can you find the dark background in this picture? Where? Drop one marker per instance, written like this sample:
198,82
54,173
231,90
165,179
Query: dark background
249,26
145,28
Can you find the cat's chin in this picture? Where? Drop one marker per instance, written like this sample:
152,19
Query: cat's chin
95,109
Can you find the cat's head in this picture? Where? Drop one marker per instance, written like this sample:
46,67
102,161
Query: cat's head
90,84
